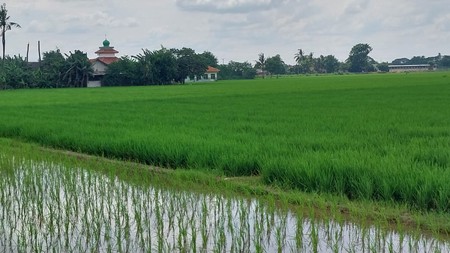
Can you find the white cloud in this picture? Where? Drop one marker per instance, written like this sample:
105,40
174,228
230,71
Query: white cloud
356,6
228,6
442,23
236,29
79,23
101,18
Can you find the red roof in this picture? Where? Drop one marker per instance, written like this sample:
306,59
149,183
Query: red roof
107,50
212,70
105,60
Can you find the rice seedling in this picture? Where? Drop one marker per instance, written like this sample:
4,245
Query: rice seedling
39,212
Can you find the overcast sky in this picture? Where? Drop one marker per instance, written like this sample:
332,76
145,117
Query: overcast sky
235,30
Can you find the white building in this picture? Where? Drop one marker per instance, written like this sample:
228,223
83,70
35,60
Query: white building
211,75
410,68
105,56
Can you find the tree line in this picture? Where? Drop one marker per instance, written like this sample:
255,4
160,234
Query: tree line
170,66
54,71
358,61
163,66
439,61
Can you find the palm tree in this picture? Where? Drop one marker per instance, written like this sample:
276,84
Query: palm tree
299,57
5,25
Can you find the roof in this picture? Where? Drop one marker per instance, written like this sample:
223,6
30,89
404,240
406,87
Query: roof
409,66
106,43
105,60
107,50
212,70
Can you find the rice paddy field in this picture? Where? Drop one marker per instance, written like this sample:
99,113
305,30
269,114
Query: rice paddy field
54,202
379,138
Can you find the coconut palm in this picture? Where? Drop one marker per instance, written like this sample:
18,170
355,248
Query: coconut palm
5,25
299,57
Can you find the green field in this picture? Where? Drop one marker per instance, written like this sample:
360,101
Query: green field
378,137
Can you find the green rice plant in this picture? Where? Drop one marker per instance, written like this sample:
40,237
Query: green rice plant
299,232
46,205
314,238
349,135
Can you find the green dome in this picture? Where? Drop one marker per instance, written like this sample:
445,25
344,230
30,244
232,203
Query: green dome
106,43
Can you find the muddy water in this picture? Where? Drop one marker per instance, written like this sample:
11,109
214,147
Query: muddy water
46,207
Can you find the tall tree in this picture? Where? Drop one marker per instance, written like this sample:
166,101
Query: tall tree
331,64
164,66
237,70
419,60
305,63
261,64
275,65
53,64
5,25
145,66
319,64
383,67
210,59
190,64
157,67
125,72
445,62
358,59
77,69
299,57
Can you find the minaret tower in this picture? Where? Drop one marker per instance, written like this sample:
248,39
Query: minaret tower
106,51
105,56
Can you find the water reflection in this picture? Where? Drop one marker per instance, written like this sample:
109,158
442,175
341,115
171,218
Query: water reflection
46,207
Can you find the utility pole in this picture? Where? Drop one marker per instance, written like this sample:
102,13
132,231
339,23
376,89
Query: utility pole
28,51
39,52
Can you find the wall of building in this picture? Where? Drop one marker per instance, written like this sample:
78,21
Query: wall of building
94,84
99,68
207,77
409,68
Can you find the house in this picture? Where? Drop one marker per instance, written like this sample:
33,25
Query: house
105,56
410,68
211,75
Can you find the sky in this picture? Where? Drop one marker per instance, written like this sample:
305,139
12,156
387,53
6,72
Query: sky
233,30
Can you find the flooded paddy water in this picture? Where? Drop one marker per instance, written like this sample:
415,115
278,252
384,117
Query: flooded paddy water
47,207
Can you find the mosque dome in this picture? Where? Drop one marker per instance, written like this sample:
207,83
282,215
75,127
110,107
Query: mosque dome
106,43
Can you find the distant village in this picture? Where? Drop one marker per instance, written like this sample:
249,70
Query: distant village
106,55
171,66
